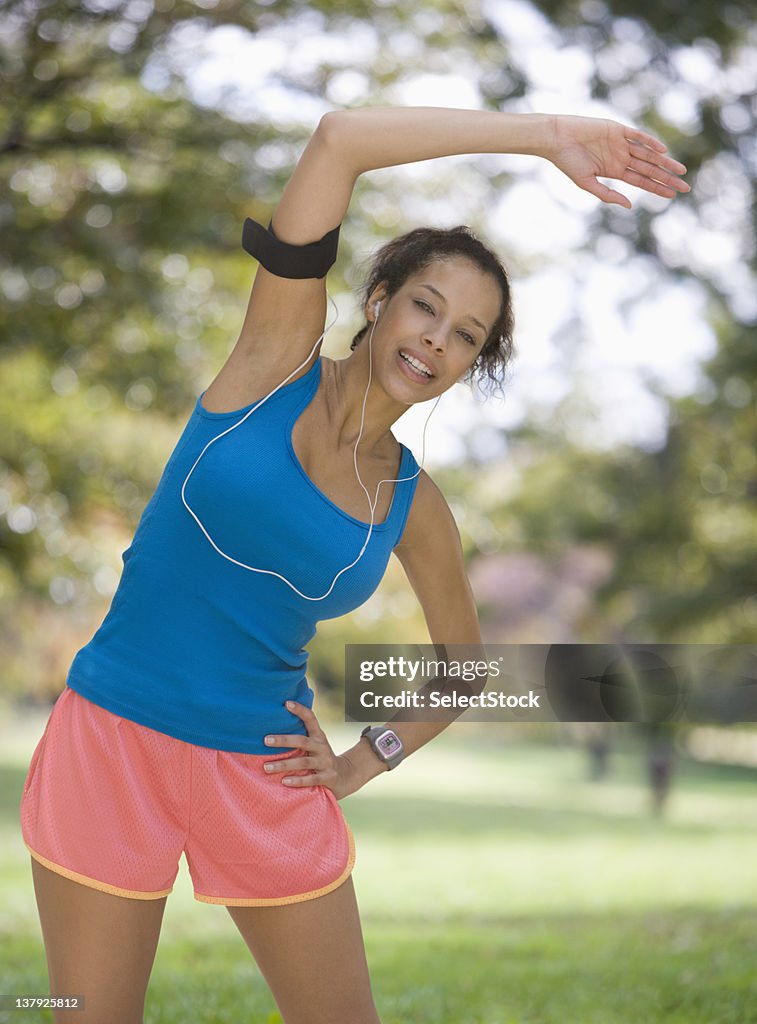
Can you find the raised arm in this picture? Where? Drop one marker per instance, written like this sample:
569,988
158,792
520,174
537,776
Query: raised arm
584,148
285,317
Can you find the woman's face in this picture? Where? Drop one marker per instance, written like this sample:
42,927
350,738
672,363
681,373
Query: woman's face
430,331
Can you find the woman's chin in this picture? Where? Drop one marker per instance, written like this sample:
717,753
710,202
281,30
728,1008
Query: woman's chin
406,393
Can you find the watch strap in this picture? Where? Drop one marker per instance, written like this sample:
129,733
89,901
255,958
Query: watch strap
372,734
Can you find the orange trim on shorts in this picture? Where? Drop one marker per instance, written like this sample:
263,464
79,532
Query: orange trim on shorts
94,883
283,900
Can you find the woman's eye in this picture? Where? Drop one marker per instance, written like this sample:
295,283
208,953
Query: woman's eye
428,309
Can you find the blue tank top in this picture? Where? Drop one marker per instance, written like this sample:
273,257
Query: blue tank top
196,646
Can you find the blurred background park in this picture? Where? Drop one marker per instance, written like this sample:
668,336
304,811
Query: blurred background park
508,873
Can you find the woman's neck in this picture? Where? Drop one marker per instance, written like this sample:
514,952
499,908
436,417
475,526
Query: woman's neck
345,394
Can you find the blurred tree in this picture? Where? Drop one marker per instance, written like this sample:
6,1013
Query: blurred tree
122,281
679,524
681,521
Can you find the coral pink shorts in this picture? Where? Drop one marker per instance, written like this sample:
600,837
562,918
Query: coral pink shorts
113,804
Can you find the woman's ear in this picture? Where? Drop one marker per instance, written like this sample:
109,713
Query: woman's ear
376,299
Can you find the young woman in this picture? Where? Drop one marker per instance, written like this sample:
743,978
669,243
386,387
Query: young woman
186,724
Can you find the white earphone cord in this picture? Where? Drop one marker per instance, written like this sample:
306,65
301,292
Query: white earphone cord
371,504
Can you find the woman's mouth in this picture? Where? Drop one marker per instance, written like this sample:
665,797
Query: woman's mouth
415,368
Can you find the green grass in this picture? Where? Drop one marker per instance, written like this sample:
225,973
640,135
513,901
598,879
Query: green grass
497,886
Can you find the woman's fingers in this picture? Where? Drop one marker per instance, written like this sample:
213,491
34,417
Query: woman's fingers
657,185
288,764
314,730
650,181
649,185
307,715
661,163
312,761
637,160
604,192
647,170
649,167
655,173
609,195
644,138
319,756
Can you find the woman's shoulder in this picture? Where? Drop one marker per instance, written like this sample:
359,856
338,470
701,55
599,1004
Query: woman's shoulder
428,495
430,518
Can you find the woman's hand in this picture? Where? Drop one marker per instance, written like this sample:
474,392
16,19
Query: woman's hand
324,767
585,148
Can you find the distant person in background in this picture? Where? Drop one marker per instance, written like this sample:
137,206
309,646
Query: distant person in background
660,763
186,725
598,743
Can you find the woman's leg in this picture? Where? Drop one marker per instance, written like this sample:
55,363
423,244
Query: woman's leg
312,956
98,946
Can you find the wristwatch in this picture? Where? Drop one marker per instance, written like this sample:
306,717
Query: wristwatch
386,743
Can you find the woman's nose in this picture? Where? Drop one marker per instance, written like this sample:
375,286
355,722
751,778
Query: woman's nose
434,337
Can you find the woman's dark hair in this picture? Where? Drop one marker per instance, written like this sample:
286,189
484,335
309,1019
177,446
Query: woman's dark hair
404,256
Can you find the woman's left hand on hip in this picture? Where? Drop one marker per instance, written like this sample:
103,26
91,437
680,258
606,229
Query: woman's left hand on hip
323,766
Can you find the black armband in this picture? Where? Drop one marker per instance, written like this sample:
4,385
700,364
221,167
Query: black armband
285,260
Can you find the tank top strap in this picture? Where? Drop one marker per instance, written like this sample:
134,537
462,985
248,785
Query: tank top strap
404,492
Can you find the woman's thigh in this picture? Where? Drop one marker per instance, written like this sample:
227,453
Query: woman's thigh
312,956
98,946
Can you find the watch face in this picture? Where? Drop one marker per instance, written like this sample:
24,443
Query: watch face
389,744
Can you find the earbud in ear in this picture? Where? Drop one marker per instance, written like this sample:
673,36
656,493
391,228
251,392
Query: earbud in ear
377,308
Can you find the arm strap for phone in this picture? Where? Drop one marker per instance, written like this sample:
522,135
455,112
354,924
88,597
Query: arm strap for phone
285,260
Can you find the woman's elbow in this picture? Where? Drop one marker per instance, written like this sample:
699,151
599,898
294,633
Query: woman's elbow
330,128
339,131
